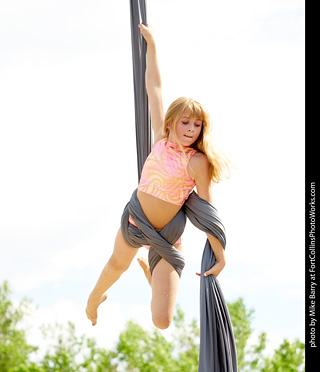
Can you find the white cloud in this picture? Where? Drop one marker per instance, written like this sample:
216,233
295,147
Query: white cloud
111,321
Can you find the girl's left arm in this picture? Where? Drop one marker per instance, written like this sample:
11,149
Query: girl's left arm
199,171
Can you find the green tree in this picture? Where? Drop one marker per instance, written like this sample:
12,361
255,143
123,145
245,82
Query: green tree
137,350
143,351
14,349
241,319
186,339
288,357
69,352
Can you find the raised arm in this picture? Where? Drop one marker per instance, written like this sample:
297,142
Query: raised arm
153,83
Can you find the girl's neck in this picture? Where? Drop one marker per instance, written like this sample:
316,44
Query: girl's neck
174,142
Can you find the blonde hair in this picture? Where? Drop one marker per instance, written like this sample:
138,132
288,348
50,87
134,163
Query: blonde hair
219,165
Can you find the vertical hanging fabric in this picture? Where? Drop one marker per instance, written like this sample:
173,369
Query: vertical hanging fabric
217,346
138,14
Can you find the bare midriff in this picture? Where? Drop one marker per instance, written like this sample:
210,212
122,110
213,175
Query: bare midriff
158,212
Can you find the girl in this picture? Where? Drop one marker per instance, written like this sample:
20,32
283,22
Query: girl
182,157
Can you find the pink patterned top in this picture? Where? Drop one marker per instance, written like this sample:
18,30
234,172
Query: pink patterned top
165,174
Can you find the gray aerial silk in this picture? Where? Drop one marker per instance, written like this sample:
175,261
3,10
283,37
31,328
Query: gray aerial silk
217,346
161,242
138,13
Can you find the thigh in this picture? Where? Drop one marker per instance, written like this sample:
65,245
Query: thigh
123,253
165,283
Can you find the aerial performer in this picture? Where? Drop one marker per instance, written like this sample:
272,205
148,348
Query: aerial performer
183,157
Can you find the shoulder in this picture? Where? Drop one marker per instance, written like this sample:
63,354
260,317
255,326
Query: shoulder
198,165
199,170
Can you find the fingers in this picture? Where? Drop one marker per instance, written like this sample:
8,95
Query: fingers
146,30
209,273
212,271
206,274
215,269
142,27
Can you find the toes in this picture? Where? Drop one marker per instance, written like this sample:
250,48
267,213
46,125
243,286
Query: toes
143,263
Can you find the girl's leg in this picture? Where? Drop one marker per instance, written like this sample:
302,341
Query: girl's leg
164,283
118,263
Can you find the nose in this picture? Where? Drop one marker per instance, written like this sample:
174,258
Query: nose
191,128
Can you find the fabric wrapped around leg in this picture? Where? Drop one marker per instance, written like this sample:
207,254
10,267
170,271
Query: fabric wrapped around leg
217,346
161,242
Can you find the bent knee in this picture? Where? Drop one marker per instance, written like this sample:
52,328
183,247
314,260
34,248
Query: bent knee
117,264
161,322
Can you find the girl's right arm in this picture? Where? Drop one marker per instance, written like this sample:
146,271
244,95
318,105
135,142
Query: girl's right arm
153,83
199,171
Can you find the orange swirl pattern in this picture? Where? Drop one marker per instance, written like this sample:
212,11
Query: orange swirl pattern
165,175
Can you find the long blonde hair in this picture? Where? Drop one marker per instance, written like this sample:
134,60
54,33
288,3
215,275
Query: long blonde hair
219,164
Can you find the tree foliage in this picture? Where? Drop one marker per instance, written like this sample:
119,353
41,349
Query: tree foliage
137,350
14,349
140,350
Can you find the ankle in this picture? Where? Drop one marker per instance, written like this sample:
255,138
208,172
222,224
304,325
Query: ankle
96,299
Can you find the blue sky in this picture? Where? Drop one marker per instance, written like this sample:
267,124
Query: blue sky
67,152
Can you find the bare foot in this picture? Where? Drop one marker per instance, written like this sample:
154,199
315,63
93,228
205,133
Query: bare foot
92,307
146,269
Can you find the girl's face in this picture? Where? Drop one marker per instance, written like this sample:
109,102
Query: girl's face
188,129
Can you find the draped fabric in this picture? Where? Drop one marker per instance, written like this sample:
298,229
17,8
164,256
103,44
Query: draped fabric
161,242
217,346
138,13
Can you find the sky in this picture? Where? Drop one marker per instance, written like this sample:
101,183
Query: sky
68,158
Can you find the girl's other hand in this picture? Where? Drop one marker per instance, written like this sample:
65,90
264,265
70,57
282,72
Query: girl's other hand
215,270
